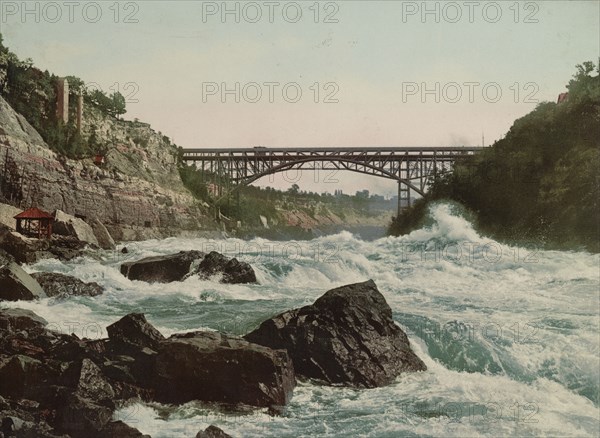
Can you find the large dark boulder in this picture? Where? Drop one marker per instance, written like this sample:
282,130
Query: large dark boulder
20,319
212,432
14,426
178,267
232,270
18,374
81,417
134,331
346,337
118,429
161,269
71,226
23,249
88,381
22,332
215,367
64,248
30,250
15,283
62,286
55,384
105,240
72,386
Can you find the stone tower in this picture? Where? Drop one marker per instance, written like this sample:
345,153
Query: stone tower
62,100
79,112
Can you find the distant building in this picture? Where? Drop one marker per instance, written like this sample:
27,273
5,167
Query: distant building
562,97
99,160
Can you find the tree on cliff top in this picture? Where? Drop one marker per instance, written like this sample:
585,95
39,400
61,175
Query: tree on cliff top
32,93
113,105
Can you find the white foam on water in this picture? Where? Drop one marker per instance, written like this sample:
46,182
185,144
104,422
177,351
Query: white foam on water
531,349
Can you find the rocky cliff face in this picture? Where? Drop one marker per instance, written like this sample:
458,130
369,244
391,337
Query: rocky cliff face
137,193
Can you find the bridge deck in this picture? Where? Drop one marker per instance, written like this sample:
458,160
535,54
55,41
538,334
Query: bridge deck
277,153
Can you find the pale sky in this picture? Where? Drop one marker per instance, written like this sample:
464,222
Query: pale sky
375,60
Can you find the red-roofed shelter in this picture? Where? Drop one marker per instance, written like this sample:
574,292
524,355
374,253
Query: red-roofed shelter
34,222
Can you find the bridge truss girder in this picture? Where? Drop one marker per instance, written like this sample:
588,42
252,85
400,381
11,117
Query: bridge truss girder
412,168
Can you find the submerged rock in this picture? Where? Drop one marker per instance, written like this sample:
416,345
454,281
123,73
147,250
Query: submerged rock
346,337
232,270
60,285
161,269
216,367
15,283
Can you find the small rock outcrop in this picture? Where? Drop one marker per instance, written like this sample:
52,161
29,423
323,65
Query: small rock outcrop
29,250
216,367
178,267
347,337
134,331
62,286
20,319
212,432
105,240
232,270
67,225
118,429
23,249
89,382
161,269
15,283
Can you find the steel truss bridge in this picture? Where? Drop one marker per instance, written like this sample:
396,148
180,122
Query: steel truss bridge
412,167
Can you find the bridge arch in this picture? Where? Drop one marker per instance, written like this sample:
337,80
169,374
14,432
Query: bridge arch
367,169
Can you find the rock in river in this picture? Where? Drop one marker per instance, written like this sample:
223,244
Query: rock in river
161,269
177,267
212,432
346,337
15,283
60,285
232,270
216,367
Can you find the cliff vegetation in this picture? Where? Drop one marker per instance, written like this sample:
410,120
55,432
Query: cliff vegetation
540,183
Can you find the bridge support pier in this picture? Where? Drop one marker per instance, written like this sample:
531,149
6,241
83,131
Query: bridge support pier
403,197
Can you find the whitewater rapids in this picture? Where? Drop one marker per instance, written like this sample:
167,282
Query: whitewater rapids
510,335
